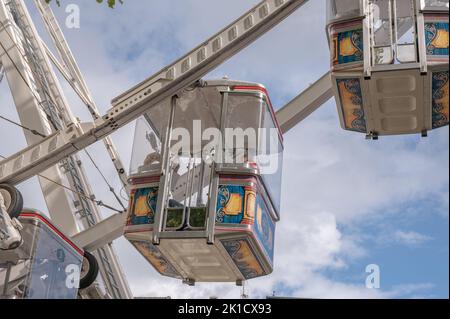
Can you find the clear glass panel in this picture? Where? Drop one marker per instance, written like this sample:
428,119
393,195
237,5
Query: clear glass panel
382,55
244,115
189,190
381,32
146,155
197,110
343,9
180,184
270,158
53,261
381,23
17,287
435,4
393,41
406,31
197,114
406,53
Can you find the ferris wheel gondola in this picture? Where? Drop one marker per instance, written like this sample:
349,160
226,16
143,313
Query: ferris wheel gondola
389,62
192,215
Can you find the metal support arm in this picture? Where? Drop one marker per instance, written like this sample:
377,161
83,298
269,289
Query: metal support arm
166,83
305,104
288,116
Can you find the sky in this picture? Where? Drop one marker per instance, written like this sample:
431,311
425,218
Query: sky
346,202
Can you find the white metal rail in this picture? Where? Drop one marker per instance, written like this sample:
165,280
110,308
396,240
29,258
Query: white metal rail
305,103
165,83
288,117
51,99
71,67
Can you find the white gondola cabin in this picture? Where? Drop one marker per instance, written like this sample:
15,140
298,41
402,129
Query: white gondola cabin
206,212
390,64
41,267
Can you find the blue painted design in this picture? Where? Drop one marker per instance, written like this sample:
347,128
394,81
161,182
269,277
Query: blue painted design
244,258
154,256
143,206
228,211
436,46
352,104
440,107
352,43
264,227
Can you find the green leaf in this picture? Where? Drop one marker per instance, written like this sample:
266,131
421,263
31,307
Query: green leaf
111,3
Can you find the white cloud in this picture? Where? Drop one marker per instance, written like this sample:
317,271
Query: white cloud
331,177
410,238
322,288
340,172
415,291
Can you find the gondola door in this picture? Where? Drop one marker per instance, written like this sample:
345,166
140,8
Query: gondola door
393,32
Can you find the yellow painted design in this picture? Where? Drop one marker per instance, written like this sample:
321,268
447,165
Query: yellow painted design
444,100
234,206
130,207
259,217
347,48
347,104
141,208
155,258
158,263
251,201
247,258
335,59
441,39
243,256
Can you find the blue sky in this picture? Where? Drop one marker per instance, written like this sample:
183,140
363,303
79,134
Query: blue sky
404,257
347,202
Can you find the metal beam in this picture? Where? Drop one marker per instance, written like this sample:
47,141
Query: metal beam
164,84
197,63
30,110
76,80
305,104
102,233
65,74
289,116
39,98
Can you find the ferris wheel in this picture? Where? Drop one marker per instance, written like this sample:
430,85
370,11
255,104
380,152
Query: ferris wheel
200,209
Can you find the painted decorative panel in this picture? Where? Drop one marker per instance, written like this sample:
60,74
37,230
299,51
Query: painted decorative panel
351,102
348,47
142,206
244,258
154,256
436,37
440,99
264,227
235,205
250,206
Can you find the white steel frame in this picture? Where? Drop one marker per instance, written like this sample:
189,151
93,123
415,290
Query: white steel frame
45,153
